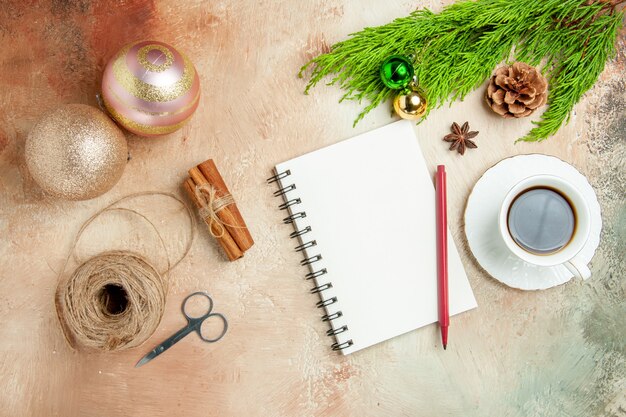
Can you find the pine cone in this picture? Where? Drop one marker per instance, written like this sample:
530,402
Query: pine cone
517,90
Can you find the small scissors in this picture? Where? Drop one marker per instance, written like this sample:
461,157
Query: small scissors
193,323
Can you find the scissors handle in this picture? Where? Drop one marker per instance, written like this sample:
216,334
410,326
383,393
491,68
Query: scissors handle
198,327
196,322
189,317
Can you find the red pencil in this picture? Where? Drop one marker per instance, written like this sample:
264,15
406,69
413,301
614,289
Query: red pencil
442,252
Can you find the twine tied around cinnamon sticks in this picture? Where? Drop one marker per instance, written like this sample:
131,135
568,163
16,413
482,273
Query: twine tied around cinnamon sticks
216,205
210,205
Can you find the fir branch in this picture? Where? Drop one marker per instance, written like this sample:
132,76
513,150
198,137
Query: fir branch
456,50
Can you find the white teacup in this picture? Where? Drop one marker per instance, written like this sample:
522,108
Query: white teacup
568,254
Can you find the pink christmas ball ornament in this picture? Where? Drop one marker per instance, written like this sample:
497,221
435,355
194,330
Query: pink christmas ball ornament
150,88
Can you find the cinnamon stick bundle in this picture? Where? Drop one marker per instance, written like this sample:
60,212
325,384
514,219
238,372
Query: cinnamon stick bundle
226,240
207,189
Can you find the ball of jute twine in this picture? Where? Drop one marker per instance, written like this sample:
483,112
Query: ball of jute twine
115,300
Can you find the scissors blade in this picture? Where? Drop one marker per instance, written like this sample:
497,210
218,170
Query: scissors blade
151,355
168,343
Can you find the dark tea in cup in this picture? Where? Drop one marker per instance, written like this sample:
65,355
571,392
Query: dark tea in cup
544,220
541,220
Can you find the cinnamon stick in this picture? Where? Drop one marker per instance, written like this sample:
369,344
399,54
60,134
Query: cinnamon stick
226,240
230,215
225,215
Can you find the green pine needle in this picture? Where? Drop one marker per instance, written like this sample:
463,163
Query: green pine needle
456,50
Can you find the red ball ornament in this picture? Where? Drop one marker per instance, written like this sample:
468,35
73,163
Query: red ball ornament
150,88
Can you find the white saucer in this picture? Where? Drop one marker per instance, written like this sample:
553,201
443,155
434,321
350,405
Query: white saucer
481,221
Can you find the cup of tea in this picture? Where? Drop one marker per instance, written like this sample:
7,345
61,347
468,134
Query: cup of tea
544,220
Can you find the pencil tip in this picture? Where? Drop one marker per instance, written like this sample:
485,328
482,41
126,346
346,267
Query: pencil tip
444,347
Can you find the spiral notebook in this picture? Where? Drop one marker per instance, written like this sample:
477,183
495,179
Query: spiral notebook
363,213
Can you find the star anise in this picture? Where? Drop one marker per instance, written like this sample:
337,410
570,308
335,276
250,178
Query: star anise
460,138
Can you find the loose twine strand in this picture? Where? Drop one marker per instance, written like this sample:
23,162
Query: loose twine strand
115,300
210,205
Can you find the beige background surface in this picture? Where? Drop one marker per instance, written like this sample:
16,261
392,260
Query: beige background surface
559,352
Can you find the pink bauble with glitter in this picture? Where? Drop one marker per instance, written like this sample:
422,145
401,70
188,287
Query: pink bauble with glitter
150,88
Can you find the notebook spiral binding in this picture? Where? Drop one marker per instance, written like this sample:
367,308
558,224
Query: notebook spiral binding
290,205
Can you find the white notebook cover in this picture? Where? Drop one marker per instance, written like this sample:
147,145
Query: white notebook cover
370,202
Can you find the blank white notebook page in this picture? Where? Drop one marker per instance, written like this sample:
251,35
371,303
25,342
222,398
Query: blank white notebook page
370,203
